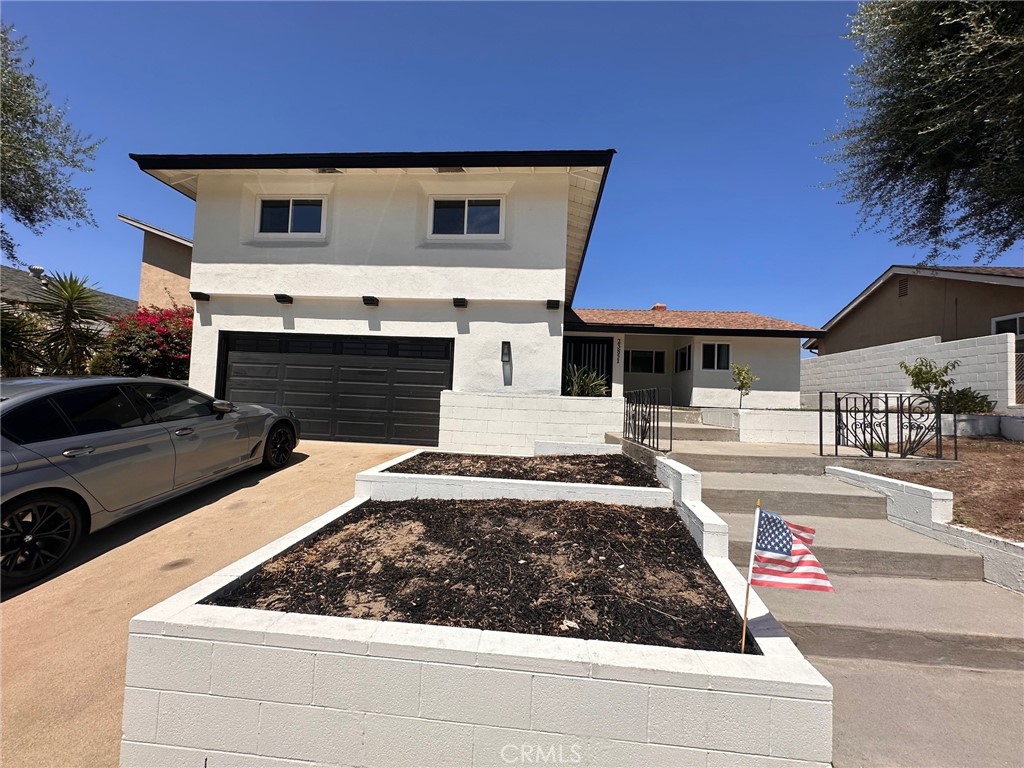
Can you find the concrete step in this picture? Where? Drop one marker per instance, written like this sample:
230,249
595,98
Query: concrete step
680,415
921,621
789,459
866,547
698,433
789,495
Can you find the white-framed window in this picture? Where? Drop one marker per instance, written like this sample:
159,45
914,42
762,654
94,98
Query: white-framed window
290,216
714,357
466,218
644,361
1009,324
684,358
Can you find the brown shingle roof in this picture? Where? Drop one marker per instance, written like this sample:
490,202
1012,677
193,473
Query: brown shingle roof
686,320
994,271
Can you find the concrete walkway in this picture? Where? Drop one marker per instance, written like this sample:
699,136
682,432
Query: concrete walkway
926,659
62,661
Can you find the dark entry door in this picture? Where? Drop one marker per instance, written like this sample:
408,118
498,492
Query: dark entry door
365,389
594,353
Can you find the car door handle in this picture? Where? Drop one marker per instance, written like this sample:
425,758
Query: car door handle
82,450
184,431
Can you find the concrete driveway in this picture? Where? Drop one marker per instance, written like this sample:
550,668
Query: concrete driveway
64,641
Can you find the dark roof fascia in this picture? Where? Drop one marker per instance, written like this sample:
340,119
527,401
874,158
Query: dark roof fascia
590,229
514,158
653,329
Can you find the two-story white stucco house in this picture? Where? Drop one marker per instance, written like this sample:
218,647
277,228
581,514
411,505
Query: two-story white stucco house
426,298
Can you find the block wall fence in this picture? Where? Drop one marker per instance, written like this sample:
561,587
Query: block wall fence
986,365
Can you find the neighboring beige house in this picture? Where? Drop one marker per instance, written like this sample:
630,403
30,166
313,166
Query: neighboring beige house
425,298
166,266
908,302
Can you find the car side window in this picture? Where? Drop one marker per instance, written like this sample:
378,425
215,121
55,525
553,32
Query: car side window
172,403
98,409
35,423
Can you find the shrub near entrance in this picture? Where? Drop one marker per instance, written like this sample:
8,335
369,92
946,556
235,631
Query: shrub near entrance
148,342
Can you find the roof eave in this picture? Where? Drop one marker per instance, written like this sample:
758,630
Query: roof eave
655,329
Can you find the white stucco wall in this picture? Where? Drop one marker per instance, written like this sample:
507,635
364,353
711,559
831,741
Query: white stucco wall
986,365
775,361
376,244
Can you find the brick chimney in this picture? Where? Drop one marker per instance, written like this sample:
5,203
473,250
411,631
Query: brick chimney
659,307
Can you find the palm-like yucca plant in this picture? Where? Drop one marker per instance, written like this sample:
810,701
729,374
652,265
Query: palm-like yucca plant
20,334
70,311
583,382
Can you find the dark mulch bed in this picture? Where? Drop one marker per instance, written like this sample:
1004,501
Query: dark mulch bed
610,469
568,569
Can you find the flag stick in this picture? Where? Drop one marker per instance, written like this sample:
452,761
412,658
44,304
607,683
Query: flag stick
750,573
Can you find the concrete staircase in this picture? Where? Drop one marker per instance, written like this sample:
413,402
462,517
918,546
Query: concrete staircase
686,426
909,615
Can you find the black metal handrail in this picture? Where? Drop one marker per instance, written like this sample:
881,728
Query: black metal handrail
890,424
641,418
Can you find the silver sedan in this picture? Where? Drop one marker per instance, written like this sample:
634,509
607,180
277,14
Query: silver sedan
80,453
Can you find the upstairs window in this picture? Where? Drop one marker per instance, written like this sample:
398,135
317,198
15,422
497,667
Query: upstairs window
467,217
291,216
714,357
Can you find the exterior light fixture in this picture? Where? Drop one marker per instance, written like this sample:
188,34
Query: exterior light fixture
554,303
506,351
371,301
460,303
283,298
199,296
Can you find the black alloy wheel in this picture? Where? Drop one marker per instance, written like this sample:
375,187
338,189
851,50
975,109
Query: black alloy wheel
37,533
280,443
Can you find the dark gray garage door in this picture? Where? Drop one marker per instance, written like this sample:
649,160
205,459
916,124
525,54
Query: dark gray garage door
368,389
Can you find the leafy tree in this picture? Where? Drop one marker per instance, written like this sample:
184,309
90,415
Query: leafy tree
41,150
148,342
743,380
933,152
70,313
928,377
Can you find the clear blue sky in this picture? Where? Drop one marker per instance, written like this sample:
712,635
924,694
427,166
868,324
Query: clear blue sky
717,111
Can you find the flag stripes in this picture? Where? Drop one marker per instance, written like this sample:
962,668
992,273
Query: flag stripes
781,556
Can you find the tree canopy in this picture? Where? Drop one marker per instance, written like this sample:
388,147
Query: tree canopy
933,149
41,150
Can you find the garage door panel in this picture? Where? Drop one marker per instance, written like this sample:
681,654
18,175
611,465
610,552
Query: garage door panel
390,395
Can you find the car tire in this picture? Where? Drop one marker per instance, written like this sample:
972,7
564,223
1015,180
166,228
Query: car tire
38,531
280,443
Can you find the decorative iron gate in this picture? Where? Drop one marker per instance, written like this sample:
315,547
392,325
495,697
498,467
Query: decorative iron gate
884,423
641,418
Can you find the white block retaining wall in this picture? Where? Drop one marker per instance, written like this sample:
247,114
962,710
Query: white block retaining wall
551,448
986,365
929,511
478,422
212,686
377,483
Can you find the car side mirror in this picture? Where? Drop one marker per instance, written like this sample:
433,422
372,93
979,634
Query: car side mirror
223,406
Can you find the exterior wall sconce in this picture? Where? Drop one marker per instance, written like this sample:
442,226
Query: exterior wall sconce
199,296
371,301
554,303
460,303
283,298
506,351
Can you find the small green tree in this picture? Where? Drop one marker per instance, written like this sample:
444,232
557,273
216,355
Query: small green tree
928,377
743,379
20,334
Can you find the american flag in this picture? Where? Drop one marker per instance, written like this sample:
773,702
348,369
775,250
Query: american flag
782,556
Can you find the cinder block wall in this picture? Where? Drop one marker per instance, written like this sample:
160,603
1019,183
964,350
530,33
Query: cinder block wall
986,364
499,423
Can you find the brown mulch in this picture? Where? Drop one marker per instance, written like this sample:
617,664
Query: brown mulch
988,486
567,569
608,469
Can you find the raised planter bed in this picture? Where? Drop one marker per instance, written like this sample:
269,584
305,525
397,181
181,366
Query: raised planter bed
388,481
210,685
